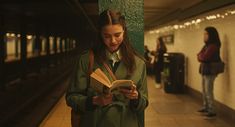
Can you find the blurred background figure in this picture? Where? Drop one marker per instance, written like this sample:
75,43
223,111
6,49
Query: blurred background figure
149,60
158,61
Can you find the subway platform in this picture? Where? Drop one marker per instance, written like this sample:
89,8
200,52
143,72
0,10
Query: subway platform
164,110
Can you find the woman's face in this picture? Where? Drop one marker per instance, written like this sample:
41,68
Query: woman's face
112,36
206,36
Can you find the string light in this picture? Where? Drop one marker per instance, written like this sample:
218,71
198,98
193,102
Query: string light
176,27
157,31
151,32
196,21
232,12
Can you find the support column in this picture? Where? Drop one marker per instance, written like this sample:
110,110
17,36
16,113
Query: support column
2,58
76,43
38,51
17,42
66,44
23,54
38,44
47,45
69,41
61,44
55,44
56,60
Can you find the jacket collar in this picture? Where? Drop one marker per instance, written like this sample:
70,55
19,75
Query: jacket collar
115,57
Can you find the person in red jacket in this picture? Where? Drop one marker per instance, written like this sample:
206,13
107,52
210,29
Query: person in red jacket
208,54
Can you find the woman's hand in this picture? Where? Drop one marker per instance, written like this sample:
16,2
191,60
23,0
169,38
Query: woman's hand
103,100
131,93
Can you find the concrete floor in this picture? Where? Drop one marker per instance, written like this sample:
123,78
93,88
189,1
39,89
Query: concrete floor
164,110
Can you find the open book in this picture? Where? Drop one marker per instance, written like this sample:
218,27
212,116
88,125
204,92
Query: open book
101,83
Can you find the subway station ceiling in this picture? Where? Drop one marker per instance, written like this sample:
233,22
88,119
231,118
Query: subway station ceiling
155,10
160,12
53,16
70,15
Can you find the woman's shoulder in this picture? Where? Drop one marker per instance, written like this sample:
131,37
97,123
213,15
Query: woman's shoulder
213,46
84,56
139,60
84,53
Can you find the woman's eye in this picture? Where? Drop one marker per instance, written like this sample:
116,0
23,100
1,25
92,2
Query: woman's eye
107,36
117,35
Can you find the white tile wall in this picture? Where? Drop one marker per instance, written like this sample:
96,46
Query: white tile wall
190,40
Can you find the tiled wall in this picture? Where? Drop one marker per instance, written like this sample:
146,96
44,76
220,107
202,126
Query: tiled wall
190,40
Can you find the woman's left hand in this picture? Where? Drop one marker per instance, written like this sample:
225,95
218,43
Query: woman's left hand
130,93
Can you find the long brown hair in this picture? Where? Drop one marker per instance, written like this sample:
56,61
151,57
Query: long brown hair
112,17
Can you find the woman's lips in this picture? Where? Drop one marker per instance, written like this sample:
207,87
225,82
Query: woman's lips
113,45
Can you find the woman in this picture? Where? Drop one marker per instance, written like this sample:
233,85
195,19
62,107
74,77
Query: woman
119,108
210,53
160,50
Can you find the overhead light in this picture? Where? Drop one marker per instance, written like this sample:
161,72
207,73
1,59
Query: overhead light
7,34
12,35
29,37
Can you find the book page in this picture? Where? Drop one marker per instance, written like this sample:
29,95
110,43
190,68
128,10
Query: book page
99,72
101,81
121,83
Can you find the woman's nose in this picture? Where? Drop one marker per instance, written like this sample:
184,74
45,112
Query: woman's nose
113,40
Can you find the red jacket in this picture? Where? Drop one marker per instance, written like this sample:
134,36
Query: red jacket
209,53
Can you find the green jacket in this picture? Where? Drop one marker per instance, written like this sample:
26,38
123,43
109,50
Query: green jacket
122,112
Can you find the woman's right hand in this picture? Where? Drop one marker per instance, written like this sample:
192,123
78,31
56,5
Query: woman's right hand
103,100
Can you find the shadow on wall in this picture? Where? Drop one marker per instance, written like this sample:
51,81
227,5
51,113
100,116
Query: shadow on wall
225,57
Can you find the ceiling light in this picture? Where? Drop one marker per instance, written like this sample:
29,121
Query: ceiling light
29,37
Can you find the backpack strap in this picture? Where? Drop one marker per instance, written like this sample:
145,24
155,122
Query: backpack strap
91,62
109,71
90,67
